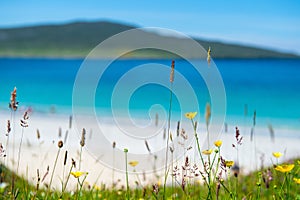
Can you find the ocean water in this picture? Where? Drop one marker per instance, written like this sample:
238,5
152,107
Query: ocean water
271,87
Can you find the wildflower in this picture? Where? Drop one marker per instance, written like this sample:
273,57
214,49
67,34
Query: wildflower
190,115
207,152
284,168
218,143
229,163
77,174
133,163
297,180
267,177
96,187
277,154
155,188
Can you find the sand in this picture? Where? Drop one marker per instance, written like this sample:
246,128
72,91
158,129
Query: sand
99,157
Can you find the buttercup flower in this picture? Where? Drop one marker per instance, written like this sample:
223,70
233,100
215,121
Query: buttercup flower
277,154
229,163
96,187
77,174
133,163
218,143
284,168
207,152
190,115
297,180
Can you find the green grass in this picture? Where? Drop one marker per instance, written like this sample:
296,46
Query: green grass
250,186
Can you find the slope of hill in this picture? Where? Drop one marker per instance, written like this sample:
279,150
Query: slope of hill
78,39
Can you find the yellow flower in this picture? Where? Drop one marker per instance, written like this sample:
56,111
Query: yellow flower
218,143
277,154
190,115
158,183
229,163
78,174
96,187
297,180
207,152
133,163
285,168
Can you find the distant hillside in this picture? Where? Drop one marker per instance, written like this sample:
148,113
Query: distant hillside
77,39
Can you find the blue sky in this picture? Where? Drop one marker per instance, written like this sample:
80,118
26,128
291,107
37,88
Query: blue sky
273,24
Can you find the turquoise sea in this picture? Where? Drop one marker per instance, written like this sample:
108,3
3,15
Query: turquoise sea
269,86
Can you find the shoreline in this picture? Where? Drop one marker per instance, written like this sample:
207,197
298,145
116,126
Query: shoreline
81,57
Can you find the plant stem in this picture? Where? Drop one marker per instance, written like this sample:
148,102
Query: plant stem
287,186
202,160
80,157
12,116
168,138
113,170
218,163
19,152
54,166
198,145
207,131
80,186
64,188
127,182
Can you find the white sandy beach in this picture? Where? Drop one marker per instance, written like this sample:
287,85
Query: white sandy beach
40,153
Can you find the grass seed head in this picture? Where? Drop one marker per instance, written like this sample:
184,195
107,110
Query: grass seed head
60,144
82,141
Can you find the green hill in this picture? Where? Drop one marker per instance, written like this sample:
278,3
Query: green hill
78,39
